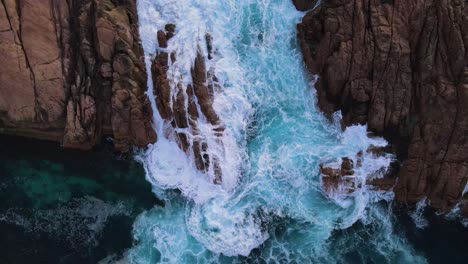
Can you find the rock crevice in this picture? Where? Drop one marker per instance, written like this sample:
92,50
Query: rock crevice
77,73
184,106
400,67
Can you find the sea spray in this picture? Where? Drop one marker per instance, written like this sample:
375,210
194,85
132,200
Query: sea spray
271,196
418,214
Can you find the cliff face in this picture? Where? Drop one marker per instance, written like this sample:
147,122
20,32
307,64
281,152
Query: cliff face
401,67
73,72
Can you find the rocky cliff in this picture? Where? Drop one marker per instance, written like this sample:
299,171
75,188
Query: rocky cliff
73,72
399,66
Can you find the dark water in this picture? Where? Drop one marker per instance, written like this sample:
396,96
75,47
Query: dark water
442,241
62,206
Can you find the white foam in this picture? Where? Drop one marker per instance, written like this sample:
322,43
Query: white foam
166,166
224,230
262,77
418,214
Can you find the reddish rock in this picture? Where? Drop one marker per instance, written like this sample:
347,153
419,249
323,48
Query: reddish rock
184,117
400,67
331,179
464,208
77,73
347,166
334,178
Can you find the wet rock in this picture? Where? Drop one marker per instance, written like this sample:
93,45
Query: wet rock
377,151
341,177
304,5
162,39
338,179
464,208
73,61
400,67
347,166
170,29
183,106
209,45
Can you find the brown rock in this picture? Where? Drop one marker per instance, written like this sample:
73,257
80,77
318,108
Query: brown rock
181,109
69,59
333,178
400,67
304,5
205,98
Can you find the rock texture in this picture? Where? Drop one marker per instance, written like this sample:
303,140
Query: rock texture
345,177
304,5
184,106
72,72
401,67
339,179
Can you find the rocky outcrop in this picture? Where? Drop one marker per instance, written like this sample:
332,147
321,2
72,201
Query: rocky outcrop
304,5
73,72
350,174
400,67
184,105
339,179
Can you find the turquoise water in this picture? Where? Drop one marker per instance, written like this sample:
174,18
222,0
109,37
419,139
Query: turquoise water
59,206
270,207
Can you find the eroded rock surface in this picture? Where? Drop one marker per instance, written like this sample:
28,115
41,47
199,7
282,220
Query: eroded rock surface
348,175
338,179
304,5
183,106
401,67
73,72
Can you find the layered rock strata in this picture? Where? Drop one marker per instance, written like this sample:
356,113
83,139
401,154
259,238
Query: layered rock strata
73,72
400,67
185,105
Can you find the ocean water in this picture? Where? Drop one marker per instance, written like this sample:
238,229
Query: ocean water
270,207
62,206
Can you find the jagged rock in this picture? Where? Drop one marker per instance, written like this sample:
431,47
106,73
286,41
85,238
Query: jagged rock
209,45
32,97
200,87
184,117
335,178
400,67
304,5
347,166
71,63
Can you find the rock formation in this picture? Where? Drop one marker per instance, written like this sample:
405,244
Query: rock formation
73,72
339,179
345,177
304,5
184,105
401,67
